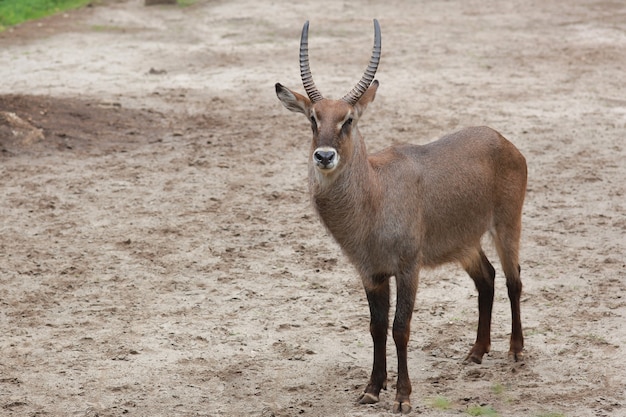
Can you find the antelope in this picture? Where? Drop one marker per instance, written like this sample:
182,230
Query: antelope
409,207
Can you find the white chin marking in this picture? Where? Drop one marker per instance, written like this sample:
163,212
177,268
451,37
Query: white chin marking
326,169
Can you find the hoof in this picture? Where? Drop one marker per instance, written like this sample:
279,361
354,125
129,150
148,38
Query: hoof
402,407
476,353
367,398
473,357
516,356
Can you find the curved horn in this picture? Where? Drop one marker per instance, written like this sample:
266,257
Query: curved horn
305,70
353,96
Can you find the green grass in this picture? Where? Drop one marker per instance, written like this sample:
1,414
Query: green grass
13,12
498,388
478,410
440,403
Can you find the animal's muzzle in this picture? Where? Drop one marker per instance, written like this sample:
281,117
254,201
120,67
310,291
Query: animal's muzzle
325,158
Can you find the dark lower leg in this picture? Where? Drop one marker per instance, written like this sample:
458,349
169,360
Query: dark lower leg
403,389
514,287
378,300
483,275
407,288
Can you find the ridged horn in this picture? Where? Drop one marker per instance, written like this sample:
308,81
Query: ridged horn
353,96
305,70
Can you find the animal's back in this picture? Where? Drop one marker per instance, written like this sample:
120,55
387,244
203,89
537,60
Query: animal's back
462,182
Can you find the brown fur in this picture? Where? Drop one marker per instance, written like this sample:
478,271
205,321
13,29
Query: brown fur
408,207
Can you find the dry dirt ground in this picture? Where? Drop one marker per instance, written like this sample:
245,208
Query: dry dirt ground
159,255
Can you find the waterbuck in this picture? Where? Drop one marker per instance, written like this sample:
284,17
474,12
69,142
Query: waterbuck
408,207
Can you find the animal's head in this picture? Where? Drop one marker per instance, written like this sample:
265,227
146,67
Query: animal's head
333,121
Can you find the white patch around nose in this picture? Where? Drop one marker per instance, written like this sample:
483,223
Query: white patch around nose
332,164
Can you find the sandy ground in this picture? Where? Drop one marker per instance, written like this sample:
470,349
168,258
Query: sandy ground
159,255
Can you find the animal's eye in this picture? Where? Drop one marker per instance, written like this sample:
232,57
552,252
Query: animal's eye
347,123
313,122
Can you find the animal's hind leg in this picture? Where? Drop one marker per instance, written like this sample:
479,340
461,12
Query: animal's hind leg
481,271
507,244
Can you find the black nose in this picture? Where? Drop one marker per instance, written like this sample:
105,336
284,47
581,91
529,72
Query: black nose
324,157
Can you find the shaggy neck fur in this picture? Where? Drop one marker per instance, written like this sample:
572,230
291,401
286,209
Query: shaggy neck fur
346,198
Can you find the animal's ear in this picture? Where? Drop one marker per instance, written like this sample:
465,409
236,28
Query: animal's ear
366,98
293,101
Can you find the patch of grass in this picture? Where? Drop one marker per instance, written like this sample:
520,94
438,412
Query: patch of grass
185,3
596,339
497,388
479,410
440,403
13,12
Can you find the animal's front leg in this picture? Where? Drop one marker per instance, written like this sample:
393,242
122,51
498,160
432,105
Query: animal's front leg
407,288
378,299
